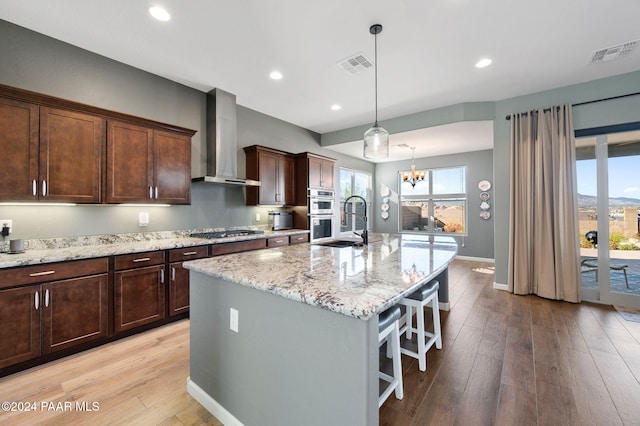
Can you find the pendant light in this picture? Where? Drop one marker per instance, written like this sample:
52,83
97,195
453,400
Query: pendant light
376,139
413,176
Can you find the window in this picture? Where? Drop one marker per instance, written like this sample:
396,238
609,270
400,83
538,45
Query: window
438,204
354,183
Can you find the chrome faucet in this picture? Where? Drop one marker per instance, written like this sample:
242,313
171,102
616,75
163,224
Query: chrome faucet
365,234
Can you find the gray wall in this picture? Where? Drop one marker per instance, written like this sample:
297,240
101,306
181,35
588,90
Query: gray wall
479,240
41,64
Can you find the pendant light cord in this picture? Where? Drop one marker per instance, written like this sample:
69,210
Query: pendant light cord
375,43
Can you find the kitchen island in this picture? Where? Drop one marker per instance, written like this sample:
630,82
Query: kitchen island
306,346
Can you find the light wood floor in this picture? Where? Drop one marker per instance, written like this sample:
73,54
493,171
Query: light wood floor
140,380
507,360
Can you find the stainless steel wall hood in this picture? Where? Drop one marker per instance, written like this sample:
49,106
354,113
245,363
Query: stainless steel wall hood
221,141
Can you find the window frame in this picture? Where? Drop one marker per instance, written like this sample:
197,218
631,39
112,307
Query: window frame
354,202
431,199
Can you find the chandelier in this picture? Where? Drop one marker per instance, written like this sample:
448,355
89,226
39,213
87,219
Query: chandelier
414,176
376,139
412,276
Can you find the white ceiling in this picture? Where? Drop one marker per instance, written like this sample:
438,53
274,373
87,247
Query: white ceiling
426,51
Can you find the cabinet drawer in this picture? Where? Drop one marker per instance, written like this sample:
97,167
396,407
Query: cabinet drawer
278,241
297,239
238,246
188,253
52,272
139,260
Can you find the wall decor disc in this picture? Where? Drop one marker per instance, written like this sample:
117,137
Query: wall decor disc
384,215
385,191
384,207
484,185
485,205
484,196
485,214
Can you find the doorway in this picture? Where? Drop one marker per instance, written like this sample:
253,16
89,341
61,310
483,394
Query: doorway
607,168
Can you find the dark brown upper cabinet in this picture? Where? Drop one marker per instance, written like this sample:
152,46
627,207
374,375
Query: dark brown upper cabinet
275,170
312,171
64,151
19,123
71,153
55,154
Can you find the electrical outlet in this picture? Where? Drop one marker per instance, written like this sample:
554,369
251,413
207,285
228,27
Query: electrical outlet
233,319
8,223
257,217
143,218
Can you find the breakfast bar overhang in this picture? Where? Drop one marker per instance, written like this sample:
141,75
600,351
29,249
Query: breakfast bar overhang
306,346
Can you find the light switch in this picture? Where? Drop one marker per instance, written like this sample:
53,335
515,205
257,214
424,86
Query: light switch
233,319
257,217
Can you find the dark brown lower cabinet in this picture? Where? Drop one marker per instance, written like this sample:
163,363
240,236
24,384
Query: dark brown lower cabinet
139,297
41,319
52,307
20,325
179,289
75,311
179,277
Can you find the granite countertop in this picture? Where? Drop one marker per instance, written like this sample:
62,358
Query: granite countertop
357,282
76,248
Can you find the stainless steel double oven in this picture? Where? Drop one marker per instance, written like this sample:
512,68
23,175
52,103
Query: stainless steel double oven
321,212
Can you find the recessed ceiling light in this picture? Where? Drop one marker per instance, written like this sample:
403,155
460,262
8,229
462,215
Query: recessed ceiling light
483,63
276,75
159,13
336,107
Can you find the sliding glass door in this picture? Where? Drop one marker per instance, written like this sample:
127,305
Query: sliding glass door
608,167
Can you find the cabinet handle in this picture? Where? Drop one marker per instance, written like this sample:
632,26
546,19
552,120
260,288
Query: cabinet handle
34,187
156,192
39,274
279,241
151,192
36,301
161,276
190,253
44,188
173,274
46,298
299,238
142,259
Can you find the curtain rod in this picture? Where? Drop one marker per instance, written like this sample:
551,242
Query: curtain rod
508,117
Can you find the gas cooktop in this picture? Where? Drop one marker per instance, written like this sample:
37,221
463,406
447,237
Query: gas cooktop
224,234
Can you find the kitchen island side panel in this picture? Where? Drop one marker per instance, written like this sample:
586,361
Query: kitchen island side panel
289,364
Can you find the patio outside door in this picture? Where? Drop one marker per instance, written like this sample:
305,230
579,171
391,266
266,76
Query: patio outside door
608,167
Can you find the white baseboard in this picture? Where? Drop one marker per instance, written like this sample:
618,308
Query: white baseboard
444,306
476,259
499,286
211,404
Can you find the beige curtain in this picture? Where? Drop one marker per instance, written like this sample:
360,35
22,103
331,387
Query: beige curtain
544,257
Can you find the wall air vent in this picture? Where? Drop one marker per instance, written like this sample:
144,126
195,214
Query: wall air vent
611,53
356,63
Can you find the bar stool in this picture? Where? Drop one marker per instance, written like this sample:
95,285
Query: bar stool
388,330
418,300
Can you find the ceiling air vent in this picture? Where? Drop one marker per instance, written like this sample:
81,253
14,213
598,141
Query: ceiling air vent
356,63
611,53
